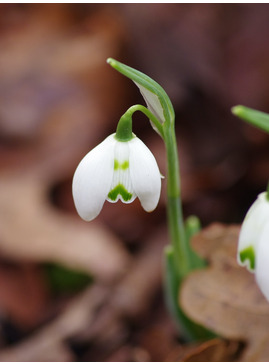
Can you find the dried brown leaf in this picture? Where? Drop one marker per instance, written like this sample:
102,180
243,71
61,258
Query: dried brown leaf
53,80
214,350
31,229
49,343
225,297
98,315
134,294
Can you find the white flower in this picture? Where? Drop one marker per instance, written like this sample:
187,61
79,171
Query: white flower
253,248
116,170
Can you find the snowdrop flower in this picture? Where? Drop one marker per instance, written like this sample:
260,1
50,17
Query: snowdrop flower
253,248
116,170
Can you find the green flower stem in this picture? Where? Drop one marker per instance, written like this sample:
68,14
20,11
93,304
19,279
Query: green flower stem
124,128
180,259
267,192
174,205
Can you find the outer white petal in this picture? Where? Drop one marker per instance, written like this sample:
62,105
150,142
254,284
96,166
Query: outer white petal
145,174
262,261
252,226
92,179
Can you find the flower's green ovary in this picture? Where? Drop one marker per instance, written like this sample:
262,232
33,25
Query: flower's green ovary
249,254
149,84
120,190
118,165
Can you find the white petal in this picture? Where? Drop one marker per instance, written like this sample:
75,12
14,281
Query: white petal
262,262
121,186
252,227
92,179
153,102
145,174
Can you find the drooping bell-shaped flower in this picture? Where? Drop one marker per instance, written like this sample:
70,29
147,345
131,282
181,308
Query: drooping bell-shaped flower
253,247
113,170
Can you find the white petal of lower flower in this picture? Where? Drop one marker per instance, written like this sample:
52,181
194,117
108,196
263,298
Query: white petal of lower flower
145,174
251,230
92,179
262,261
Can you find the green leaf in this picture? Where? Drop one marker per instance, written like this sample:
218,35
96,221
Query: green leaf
63,280
190,329
192,227
254,117
156,98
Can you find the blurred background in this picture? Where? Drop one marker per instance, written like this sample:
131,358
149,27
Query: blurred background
76,291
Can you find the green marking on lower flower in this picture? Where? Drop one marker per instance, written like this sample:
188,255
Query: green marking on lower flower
118,165
120,190
248,254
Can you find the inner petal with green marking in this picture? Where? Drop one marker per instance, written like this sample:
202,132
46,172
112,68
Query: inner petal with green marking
120,190
248,254
117,165
121,187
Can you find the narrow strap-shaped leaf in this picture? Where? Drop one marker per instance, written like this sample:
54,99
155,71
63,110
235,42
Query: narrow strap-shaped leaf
254,117
172,284
156,98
